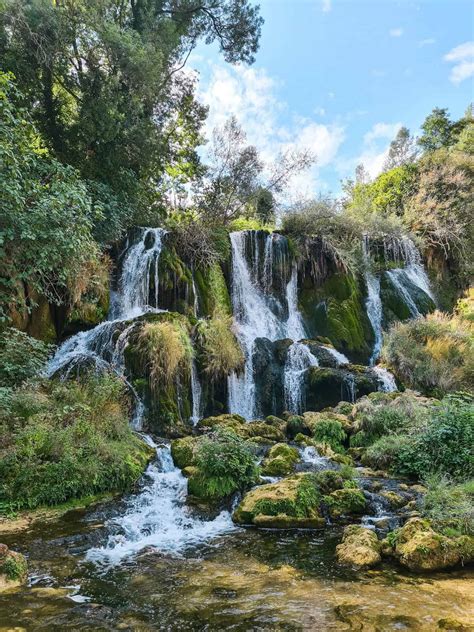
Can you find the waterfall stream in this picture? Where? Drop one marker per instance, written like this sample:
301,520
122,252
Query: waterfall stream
298,361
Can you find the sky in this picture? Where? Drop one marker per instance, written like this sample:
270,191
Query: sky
339,77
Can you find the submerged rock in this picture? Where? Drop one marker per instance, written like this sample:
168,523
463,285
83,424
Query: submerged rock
13,568
291,503
417,546
359,548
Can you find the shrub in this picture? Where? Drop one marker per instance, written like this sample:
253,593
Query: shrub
166,349
450,507
330,431
383,454
226,463
64,440
21,357
434,354
222,352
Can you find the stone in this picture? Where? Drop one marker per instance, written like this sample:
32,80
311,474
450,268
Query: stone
395,500
182,451
280,461
360,548
420,548
345,502
292,503
13,568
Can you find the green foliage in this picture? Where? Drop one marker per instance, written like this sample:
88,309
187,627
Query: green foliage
21,357
226,463
330,431
434,354
14,566
438,130
47,215
303,504
449,506
66,440
221,350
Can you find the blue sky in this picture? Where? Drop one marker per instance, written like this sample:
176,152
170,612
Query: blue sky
341,76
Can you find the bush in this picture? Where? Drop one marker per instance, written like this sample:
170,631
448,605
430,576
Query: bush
65,440
226,463
450,507
21,357
221,350
166,349
383,454
330,431
434,354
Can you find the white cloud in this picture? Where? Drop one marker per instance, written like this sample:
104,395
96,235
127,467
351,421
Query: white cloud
398,32
462,57
250,95
426,42
326,6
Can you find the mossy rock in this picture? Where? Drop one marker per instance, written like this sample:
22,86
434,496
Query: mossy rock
212,291
312,418
360,548
420,548
276,422
291,503
280,461
396,501
182,451
13,568
336,310
348,501
230,420
261,430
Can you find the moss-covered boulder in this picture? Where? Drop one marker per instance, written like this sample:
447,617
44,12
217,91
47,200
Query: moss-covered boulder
280,461
345,502
360,548
261,430
182,451
420,548
13,568
291,503
230,420
325,386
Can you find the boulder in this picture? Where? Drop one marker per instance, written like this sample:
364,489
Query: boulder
291,503
345,502
420,548
182,451
360,548
280,461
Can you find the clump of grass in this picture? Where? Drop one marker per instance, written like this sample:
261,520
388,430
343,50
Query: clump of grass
221,350
434,354
166,349
450,506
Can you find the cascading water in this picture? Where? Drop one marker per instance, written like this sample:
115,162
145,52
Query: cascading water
337,355
196,393
386,380
298,361
256,313
158,517
373,303
348,388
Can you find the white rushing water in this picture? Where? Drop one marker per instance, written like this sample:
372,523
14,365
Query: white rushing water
158,517
298,361
196,393
386,379
254,317
337,355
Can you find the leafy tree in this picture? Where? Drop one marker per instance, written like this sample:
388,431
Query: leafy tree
47,213
103,79
438,130
265,206
402,150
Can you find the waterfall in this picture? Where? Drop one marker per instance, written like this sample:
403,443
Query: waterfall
348,388
158,517
196,392
385,379
397,277
257,314
101,346
337,355
373,303
298,361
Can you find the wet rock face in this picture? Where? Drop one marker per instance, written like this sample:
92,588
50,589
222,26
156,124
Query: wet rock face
13,568
360,548
418,547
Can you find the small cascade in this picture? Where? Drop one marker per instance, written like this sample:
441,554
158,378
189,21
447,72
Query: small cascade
139,276
398,277
386,379
258,312
337,355
373,303
311,457
196,392
348,388
298,361
158,517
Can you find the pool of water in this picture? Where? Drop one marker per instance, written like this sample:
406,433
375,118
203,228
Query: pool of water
244,580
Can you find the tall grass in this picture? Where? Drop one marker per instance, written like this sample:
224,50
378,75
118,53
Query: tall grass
221,350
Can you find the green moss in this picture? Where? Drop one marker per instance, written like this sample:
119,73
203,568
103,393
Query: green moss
176,283
346,501
336,311
212,291
182,451
280,461
14,567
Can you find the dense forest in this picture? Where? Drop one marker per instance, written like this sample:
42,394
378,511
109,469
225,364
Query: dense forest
148,285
